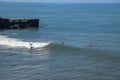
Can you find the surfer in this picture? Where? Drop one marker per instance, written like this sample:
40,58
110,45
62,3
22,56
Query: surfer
62,43
30,45
90,45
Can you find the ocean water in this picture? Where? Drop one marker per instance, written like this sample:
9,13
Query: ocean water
91,36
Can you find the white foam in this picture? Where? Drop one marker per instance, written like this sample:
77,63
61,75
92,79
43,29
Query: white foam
11,42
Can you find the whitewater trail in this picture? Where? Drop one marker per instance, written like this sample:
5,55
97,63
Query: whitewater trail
12,42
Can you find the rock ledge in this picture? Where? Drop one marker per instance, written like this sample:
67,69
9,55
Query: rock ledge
18,24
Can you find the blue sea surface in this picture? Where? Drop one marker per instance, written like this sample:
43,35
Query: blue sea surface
91,36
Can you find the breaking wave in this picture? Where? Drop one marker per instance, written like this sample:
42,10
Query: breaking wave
12,42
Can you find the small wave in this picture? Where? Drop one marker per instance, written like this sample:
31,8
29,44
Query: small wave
73,49
88,52
64,48
11,42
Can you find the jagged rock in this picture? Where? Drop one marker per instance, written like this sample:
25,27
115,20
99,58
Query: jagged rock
18,24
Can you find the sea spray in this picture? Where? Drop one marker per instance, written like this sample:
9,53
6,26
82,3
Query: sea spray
11,42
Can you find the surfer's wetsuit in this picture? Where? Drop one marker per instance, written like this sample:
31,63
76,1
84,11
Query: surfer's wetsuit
31,46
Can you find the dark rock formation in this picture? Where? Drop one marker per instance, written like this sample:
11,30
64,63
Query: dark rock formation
18,24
